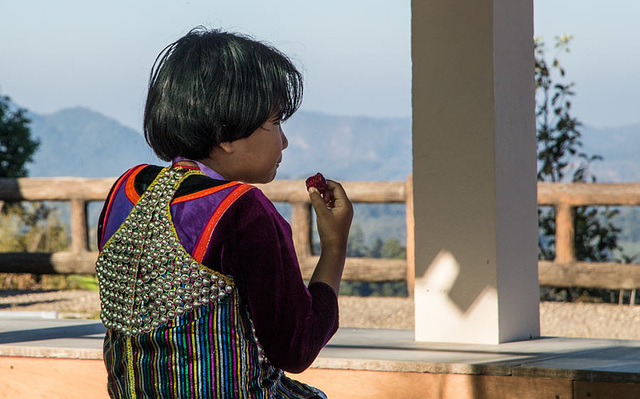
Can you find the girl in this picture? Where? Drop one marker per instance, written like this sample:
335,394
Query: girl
200,287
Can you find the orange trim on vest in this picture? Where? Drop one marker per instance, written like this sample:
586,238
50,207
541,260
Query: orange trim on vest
205,237
116,187
129,187
203,193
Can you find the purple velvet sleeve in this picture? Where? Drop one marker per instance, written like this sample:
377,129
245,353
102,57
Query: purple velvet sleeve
254,244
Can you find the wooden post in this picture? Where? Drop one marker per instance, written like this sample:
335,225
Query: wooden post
79,236
565,234
411,256
301,228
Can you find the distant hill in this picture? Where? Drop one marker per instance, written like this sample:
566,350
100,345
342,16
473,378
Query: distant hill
82,142
620,148
85,143
347,148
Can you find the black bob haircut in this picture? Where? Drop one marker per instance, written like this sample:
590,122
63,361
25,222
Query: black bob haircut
211,87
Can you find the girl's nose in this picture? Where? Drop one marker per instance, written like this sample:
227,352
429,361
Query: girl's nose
285,142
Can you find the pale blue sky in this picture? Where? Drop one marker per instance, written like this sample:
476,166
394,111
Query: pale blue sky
355,54
604,61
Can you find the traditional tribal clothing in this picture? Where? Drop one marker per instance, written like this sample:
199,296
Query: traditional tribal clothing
178,327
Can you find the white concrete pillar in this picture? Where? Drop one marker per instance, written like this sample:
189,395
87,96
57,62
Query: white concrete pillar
474,171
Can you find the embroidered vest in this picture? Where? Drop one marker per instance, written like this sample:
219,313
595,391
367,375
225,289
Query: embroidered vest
175,328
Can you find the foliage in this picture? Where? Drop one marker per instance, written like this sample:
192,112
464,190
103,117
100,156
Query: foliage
35,227
390,249
558,133
560,159
28,227
32,227
377,289
629,221
14,281
357,247
16,144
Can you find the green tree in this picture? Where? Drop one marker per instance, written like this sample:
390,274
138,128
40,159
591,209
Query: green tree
16,144
393,249
356,246
27,227
375,251
31,226
560,158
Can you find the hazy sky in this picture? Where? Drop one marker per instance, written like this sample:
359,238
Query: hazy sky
355,54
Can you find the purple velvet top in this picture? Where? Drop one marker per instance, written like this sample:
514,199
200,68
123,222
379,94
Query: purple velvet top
252,242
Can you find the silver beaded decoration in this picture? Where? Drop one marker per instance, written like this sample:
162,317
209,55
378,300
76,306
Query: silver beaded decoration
146,278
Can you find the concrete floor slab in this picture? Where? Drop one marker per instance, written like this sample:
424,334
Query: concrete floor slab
375,350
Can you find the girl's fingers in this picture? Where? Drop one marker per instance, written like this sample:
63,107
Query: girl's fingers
326,196
338,195
317,201
334,198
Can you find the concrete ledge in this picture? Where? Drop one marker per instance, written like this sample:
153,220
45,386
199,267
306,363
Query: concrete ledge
565,358
55,338
374,355
51,353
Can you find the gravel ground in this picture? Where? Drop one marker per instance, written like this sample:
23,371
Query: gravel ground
68,304
585,320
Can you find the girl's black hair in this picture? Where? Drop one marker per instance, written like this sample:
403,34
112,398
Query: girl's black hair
210,87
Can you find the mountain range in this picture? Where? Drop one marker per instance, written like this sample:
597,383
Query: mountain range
619,148
85,143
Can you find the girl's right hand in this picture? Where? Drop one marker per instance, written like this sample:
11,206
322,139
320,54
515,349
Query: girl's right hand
333,222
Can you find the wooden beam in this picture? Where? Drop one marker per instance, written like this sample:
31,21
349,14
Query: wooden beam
356,269
411,253
586,194
589,275
301,228
363,269
576,274
358,191
48,263
79,229
565,234
54,188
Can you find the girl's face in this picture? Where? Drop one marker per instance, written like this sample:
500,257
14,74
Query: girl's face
260,154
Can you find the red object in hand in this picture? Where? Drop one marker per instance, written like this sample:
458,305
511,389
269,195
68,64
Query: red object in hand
318,181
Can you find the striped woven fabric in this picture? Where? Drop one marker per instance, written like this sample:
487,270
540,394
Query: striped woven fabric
208,353
176,329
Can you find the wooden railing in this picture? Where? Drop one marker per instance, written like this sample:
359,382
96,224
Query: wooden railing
565,270
80,191
356,269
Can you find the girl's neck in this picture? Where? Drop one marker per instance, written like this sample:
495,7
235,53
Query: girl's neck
204,168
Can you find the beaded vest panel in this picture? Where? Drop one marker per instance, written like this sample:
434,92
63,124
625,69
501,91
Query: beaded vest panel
146,278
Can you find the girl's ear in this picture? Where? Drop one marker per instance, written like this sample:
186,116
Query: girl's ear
227,147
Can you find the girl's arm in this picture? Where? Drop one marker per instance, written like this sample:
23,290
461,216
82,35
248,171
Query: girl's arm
333,228
253,243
